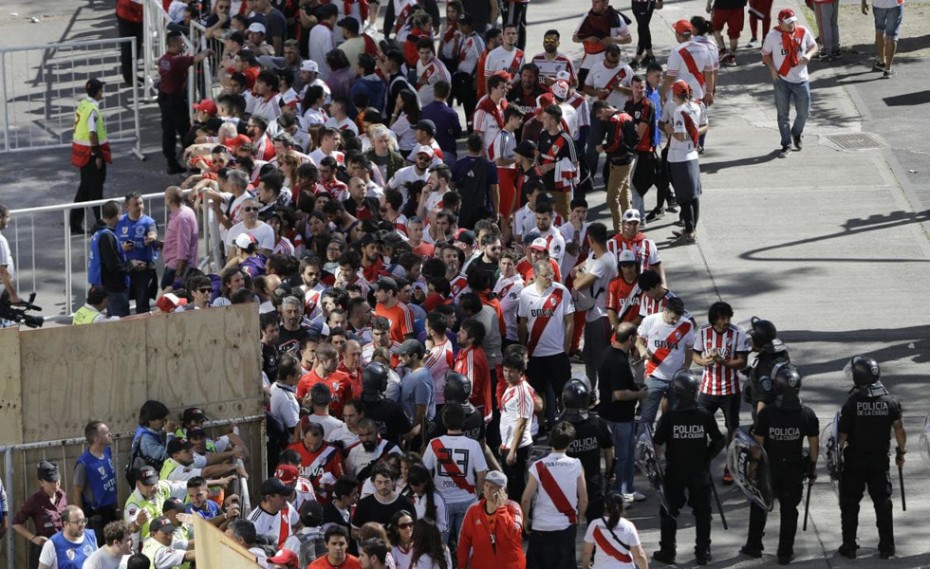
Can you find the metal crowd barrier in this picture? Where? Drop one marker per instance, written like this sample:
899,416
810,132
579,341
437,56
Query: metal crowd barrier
61,271
42,85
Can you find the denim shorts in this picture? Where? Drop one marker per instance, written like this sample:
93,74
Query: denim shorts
888,20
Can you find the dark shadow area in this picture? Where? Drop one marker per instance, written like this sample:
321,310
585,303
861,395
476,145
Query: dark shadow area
909,99
708,167
851,227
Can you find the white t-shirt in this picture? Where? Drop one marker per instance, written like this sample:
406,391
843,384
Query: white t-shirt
508,294
564,471
284,405
516,403
499,59
609,553
6,259
545,313
344,435
439,360
605,269
269,109
772,45
328,422
457,464
692,113
667,344
263,233
620,76
342,124
270,525
101,559
678,69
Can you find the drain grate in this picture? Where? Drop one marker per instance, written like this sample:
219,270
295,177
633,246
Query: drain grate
858,141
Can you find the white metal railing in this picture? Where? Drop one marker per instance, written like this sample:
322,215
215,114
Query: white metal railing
59,274
43,83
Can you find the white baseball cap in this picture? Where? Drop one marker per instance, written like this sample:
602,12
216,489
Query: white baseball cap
632,215
257,28
540,244
309,66
563,76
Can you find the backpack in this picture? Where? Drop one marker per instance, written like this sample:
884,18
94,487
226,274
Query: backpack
137,460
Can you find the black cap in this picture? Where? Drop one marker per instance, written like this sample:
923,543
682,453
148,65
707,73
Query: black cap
526,148
466,237
411,347
177,444
48,471
369,238
349,23
427,125
320,394
173,34
466,19
196,433
275,486
147,475
386,283
162,524
173,503
193,414
93,85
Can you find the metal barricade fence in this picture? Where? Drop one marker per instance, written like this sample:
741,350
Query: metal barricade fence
58,273
19,465
42,85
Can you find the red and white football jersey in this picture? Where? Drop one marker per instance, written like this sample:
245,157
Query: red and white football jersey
545,313
439,360
667,344
517,402
689,61
508,293
600,77
647,254
718,379
499,59
549,68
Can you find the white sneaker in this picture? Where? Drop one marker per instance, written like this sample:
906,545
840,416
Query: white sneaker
634,497
752,43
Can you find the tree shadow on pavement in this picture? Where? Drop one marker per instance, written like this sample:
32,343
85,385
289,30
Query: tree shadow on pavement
710,167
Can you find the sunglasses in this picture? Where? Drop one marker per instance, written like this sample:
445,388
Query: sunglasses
250,209
206,289
405,526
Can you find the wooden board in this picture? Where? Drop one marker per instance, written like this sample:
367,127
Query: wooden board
71,375
216,549
11,411
207,358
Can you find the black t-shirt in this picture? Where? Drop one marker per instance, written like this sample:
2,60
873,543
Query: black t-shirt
550,155
270,361
492,268
390,418
867,423
591,436
692,438
369,509
289,340
613,375
784,432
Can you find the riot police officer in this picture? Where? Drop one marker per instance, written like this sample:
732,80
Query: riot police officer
865,425
693,440
780,429
592,435
769,351
456,391
387,414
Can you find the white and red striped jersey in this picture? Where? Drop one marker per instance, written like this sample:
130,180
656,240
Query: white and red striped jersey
549,68
667,344
458,285
439,360
455,461
341,125
488,120
545,314
303,493
602,77
427,77
649,306
581,106
647,254
469,52
312,297
612,546
276,527
508,290
517,402
718,379
555,241
499,59
556,504
689,61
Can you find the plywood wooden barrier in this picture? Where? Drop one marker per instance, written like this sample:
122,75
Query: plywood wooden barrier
11,409
216,549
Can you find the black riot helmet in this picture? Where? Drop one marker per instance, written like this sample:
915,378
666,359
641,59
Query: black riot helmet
576,398
685,389
762,332
457,388
374,381
863,371
787,385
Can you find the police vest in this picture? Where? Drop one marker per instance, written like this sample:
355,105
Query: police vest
136,502
99,474
85,315
81,148
168,467
71,555
150,549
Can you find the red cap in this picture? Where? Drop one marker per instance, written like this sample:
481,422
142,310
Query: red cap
207,106
504,74
683,27
286,473
787,16
234,143
681,88
169,302
284,557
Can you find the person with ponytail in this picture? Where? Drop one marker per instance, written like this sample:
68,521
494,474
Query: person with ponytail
614,537
689,121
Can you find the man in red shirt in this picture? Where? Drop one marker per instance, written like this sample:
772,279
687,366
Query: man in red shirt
320,462
473,364
395,311
337,542
492,532
324,371
172,96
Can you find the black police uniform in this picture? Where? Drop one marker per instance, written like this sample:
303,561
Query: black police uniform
867,421
759,386
592,435
390,417
784,429
473,427
693,440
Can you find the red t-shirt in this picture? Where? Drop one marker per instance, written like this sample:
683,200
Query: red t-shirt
340,387
351,562
172,69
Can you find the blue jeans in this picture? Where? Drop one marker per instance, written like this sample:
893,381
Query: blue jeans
785,91
118,304
456,512
624,437
888,21
649,408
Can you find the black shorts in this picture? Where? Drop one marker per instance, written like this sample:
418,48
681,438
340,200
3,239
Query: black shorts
729,404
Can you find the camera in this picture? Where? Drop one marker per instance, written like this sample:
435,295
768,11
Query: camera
19,314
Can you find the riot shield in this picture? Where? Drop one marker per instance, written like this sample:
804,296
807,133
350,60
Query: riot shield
749,466
648,463
831,448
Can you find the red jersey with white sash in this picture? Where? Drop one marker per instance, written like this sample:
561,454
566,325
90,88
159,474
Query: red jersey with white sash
647,254
556,505
717,379
624,299
612,546
667,344
689,61
488,119
455,461
473,363
499,59
545,316
321,467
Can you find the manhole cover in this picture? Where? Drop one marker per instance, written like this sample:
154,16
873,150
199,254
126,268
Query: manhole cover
856,141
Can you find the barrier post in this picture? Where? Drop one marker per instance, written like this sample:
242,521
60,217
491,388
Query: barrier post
68,304
6,107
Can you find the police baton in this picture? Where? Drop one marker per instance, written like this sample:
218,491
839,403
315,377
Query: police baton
713,488
899,454
807,501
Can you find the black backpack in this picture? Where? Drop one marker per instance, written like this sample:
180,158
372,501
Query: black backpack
137,460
